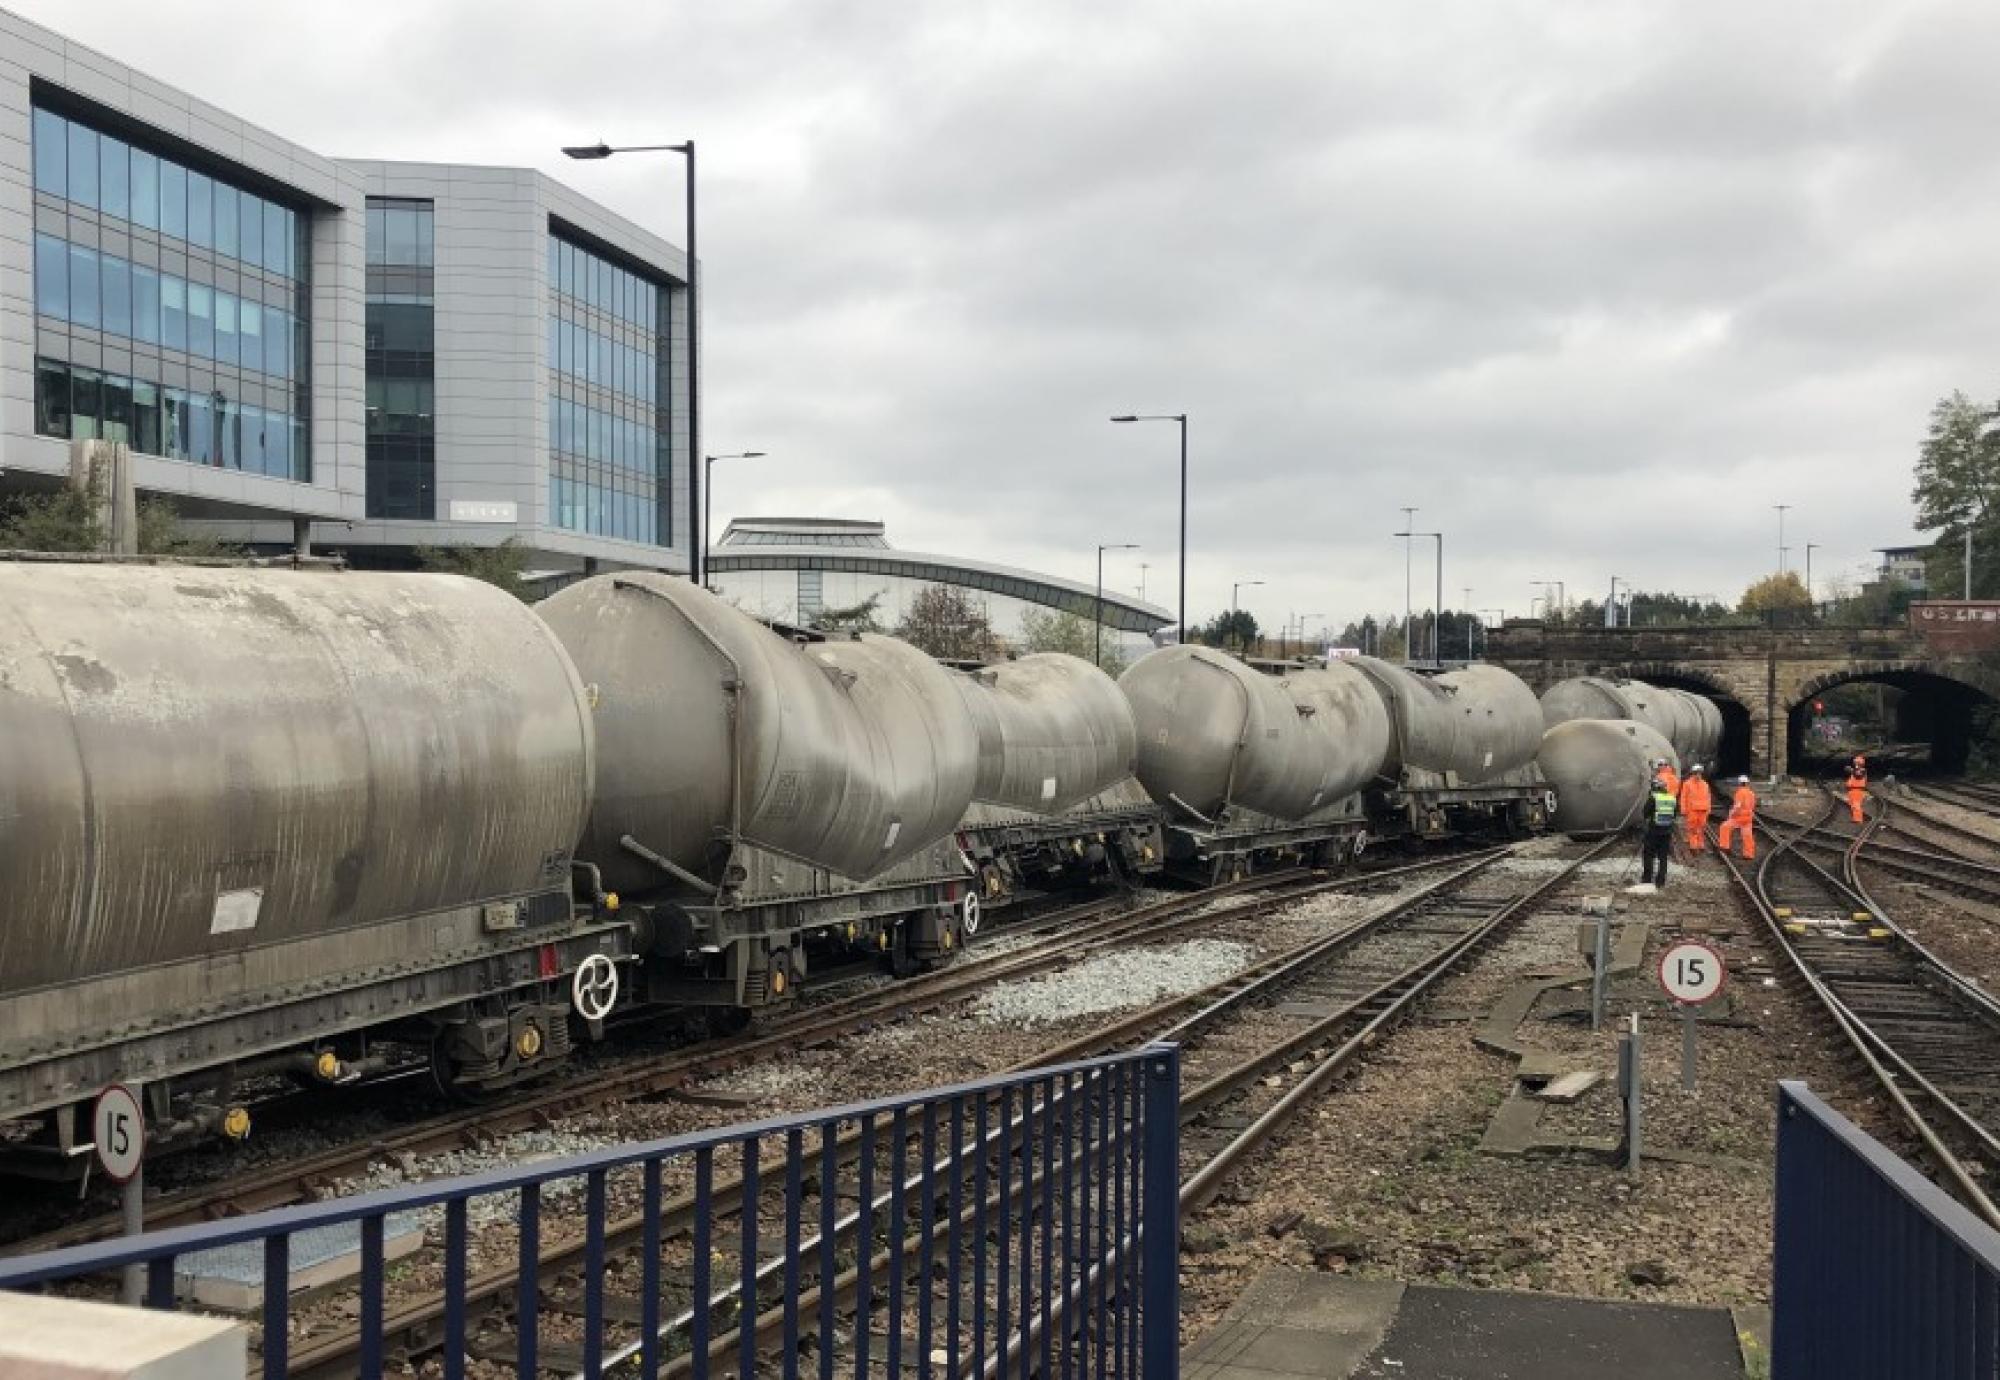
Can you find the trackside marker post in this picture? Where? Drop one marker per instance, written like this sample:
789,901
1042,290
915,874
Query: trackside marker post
1692,975
118,1131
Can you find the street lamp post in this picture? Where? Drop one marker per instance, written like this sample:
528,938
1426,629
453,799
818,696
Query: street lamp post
1234,590
708,492
1499,616
1097,654
1182,418
1470,619
698,543
1437,608
1782,509
1560,608
1811,547
1409,524
1611,605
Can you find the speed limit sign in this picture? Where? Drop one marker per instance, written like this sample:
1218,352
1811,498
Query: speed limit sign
1691,972
119,1128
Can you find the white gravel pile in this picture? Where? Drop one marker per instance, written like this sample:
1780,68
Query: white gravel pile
1113,982
510,1152
1614,864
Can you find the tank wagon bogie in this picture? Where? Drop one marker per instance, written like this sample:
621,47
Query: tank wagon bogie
344,805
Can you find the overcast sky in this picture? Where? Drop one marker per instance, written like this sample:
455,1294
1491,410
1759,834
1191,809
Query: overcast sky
1592,285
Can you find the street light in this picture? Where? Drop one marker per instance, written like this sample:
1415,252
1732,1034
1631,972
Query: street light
1470,619
1811,547
1499,616
1180,417
1436,608
1409,522
1097,656
1234,589
1611,606
1782,508
708,484
1561,605
698,543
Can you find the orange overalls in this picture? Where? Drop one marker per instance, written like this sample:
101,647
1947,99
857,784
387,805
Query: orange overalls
1857,788
1695,803
1742,811
1671,780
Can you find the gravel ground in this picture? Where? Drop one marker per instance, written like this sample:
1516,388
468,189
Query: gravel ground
1111,982
1392,1184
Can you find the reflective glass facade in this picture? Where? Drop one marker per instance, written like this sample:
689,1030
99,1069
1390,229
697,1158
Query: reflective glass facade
402,359
609,471
172,306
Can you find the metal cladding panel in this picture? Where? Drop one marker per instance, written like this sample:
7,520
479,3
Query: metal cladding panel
853,756
1601,769
195,761
1214,733
1053,731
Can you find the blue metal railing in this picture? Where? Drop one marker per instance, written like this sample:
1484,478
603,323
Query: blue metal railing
1877,1272
994,1232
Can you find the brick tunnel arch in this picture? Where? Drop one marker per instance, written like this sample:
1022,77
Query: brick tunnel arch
1934,708
1732,758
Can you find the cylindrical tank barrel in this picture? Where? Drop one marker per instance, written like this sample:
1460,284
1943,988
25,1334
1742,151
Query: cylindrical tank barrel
1213,733
850,754
1601,770
1053,731
1477,723
1690,722
198,760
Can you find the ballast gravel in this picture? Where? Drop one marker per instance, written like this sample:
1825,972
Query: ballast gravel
1112,982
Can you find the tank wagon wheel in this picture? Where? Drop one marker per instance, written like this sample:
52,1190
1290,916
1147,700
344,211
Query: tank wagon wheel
445,1074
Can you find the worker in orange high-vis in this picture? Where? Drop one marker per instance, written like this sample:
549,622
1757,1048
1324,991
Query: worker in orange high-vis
1671,779
1742,814
1857,785
1695,805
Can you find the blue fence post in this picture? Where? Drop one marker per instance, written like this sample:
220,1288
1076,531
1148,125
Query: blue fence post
1160,1216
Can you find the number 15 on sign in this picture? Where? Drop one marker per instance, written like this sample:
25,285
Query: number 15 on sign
1691,974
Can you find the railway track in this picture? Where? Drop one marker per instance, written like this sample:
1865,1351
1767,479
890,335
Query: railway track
1075,932
1243,1082
1927,1035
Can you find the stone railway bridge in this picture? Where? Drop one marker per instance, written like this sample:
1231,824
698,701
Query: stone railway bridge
1762,678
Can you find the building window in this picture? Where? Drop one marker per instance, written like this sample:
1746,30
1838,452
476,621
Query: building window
233,344
402,359
610,462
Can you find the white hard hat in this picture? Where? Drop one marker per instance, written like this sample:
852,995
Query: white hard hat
1742,780
1695,767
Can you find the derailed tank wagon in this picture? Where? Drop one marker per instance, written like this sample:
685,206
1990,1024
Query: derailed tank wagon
257,821
1311,764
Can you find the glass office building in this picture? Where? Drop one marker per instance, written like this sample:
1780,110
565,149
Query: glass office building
402,358
172,304
609,438
370,358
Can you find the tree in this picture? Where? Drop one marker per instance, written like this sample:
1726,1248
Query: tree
500,565
66,520
855,618
1674,611
1059,630
943,621
1776,596
1957,488
1237,630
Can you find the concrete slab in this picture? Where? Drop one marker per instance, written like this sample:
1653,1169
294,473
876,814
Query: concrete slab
1293,1325
44,1338
231,1278
1289,1324
1468,1334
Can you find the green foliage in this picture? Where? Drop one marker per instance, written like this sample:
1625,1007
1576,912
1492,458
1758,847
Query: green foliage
1236,630
1879,604
1059,630
855,618
943,621
1674,611
500,565
1776,595
1957,487
65,520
